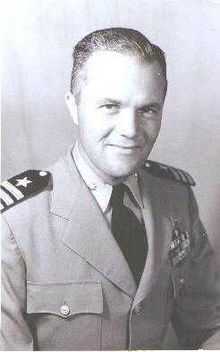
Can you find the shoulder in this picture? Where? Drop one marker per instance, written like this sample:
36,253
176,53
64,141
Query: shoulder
22,187
167,172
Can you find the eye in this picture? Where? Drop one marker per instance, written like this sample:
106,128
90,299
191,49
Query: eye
148,110
110,107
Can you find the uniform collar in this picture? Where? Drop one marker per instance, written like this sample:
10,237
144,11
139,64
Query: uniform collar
102,191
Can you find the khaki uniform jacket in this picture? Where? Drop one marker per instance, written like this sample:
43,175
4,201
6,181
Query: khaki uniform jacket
67,286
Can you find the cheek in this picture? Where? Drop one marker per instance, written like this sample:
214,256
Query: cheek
94,127
151,129
87,123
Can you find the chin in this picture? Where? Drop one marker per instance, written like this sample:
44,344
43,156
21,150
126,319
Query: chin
122,170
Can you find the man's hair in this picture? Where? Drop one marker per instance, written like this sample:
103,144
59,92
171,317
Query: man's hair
121,40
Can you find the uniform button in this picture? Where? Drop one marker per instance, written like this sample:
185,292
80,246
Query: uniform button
138,308
182,288
65,310
182,280
42,173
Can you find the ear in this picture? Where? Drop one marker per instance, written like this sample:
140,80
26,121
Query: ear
71,105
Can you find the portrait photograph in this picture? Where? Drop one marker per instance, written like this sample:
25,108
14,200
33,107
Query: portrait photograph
110,171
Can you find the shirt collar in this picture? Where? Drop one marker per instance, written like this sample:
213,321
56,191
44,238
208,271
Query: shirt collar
102,191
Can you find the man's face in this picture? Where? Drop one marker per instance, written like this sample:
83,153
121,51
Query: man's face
119,112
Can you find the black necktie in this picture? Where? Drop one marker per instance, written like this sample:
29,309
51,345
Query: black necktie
128,231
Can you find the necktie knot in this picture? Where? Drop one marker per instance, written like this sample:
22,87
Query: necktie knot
118,195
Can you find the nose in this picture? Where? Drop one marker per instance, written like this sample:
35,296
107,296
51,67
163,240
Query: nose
127,124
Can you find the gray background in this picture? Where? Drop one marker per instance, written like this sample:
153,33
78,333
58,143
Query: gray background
38,40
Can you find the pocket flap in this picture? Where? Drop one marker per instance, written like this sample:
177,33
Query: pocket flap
65,299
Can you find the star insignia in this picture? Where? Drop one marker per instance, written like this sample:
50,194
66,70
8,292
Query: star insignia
23,182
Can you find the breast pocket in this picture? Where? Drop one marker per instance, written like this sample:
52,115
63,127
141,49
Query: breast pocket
65,316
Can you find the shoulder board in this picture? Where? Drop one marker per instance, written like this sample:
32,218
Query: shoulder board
162,170
21,187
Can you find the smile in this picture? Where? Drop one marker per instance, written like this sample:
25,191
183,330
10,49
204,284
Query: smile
125,147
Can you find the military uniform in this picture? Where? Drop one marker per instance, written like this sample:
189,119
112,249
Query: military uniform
66,284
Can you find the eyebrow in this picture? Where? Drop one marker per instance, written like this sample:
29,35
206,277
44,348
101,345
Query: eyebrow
109,100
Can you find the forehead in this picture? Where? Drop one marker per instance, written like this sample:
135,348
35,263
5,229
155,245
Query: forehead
113,74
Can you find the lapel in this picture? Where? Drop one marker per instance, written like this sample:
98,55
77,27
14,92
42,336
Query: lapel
156,212
85,229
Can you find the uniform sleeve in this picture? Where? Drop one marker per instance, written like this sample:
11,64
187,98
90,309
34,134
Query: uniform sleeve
15,333
196,318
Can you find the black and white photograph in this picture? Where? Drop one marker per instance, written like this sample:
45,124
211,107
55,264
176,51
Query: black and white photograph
110,175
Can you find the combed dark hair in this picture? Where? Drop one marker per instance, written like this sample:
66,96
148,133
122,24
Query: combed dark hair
122,40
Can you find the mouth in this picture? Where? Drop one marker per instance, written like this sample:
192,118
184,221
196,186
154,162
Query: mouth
128,148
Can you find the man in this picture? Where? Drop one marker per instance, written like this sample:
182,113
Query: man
105,248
